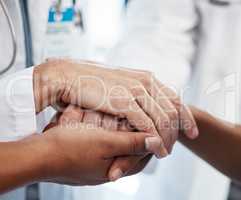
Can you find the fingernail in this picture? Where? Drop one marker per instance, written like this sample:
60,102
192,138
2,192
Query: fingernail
116,174
150,143
195,133
153,145
163,153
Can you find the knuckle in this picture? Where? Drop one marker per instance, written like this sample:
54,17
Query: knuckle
136,83
177,102
173,115
148,74
147,79
121,104
138,90
149,126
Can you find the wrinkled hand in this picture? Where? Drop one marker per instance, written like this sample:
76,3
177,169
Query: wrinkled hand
131,95
91,86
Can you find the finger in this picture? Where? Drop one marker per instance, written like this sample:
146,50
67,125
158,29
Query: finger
72,114
93,117
122,166
142,122
148,81
187,121
156,113
140,165
129,143
185,114
167,106
110,122
123,104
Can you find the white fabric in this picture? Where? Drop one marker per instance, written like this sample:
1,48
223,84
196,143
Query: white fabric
6,48
17,110
158,37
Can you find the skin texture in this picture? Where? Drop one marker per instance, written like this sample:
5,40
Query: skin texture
73,115
58,155
219,143
168,122
76,155
135,96
22,162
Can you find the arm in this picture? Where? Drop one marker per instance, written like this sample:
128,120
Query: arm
219,143
57,156
22,162
30,91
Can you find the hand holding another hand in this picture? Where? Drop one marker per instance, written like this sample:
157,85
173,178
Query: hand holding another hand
82,154
121,166
123,94
134,95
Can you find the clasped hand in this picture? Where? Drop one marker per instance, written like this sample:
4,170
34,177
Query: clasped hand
132,115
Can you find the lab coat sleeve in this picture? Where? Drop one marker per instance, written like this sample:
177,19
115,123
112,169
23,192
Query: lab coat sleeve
17,108
158,36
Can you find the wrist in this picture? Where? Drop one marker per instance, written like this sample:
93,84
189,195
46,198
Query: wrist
45,159
23,162
33,154
48,84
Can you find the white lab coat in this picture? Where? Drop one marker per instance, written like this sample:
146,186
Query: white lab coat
160,34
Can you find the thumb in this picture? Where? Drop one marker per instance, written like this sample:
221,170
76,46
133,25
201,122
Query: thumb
187,120
129,143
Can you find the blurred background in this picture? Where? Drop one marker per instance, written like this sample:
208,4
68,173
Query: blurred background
192,46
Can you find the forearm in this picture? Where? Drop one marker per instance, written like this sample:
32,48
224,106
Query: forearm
219,143
23,162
